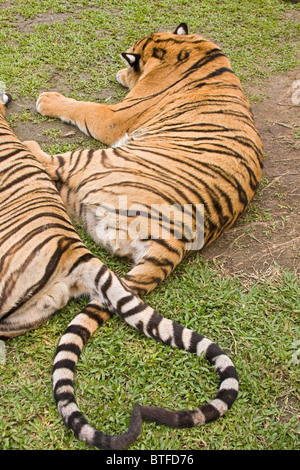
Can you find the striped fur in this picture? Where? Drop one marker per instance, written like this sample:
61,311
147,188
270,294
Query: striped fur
183,135
43,263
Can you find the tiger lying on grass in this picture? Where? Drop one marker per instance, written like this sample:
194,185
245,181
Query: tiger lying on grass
184,137
43,263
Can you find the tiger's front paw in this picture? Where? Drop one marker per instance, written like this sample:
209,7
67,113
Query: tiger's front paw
121,77
52,104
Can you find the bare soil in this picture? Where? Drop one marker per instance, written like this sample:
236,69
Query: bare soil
267,236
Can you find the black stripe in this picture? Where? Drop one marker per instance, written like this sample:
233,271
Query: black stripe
210,412
67,397
88,157
100,273
228,373
159,262
139,308
93,315
65,364
83,259
76,421
11,154
196,338
63,383
180,419
168,246
21,179
153,324
152,280
185,419
177,332
39,227
228,396
183,56
213,351
204,61
69,347
76,154
87,129
80,331
216,73
107,285
159,53
124,301
179,39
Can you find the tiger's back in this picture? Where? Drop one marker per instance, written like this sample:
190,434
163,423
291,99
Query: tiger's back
196,123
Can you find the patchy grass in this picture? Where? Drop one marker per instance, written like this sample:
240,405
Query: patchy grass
79,42
74,47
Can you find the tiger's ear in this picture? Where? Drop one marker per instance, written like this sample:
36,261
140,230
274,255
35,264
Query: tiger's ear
5,98
132,59
181,29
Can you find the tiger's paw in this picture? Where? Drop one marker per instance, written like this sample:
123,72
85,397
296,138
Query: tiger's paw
121,77
52,104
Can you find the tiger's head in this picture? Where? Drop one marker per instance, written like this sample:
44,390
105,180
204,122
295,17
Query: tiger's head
160,50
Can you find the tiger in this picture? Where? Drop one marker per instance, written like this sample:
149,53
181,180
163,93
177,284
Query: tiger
183,139
44,263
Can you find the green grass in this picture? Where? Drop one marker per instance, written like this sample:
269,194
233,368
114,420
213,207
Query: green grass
77,52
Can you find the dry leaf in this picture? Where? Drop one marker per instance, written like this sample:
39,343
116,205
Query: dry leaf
68,134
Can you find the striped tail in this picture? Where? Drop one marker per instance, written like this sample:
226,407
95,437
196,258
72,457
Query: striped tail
152,324
66,357
116,298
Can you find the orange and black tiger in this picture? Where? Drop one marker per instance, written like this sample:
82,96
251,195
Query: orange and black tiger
43,263
183,138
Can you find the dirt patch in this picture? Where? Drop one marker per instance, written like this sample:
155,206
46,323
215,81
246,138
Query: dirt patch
26,26
268,234
26,128
294,15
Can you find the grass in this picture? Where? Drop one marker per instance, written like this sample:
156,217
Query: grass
74,47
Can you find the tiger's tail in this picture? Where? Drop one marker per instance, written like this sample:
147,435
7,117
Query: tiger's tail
114,297
155,326
149,322
66,357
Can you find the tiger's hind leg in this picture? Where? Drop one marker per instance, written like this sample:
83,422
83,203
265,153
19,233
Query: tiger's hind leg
155,265
154,259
